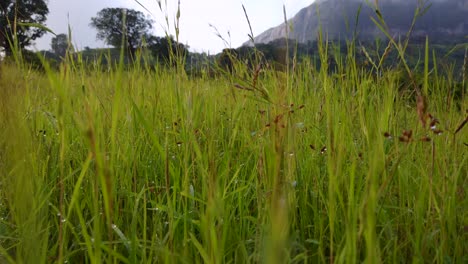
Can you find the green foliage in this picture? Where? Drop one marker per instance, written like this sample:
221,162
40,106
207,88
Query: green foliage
166,49
119,26
138,163
60,44
24,12
227,59
147,165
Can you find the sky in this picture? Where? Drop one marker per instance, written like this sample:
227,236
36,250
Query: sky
227,16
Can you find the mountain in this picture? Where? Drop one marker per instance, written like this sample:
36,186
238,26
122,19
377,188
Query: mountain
444,21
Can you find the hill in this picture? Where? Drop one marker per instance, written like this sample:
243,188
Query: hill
445,21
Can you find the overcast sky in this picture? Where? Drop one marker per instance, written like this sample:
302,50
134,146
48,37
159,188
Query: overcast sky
196,16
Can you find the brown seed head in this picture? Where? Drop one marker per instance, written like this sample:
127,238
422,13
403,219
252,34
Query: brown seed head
323,150
408,133
425,139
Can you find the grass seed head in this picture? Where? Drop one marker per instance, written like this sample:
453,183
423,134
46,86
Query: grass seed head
387,135
408,133
426,139
406,136
323,150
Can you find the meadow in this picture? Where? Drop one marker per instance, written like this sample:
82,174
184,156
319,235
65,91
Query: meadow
304,165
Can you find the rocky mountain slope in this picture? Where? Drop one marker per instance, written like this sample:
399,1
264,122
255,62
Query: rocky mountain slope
443,21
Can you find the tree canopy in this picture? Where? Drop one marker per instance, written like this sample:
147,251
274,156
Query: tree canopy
27,12
166,49
115,25
60,44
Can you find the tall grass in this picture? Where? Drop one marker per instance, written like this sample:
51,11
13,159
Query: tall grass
151,165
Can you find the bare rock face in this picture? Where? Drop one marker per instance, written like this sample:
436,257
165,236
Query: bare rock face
444,20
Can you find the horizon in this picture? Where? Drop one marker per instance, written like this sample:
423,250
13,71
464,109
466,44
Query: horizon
195,30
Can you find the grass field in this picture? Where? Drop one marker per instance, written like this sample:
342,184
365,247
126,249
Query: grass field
304,166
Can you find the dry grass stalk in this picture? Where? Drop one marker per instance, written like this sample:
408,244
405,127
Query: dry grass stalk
421,107
460,127
255,76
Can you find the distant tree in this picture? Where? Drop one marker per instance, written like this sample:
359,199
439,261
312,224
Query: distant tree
227,59
24,11
115,25
60,45
166,49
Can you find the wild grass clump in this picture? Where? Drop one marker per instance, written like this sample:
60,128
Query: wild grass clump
256,165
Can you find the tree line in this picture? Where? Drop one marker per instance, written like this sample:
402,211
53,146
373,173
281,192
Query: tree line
23,21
